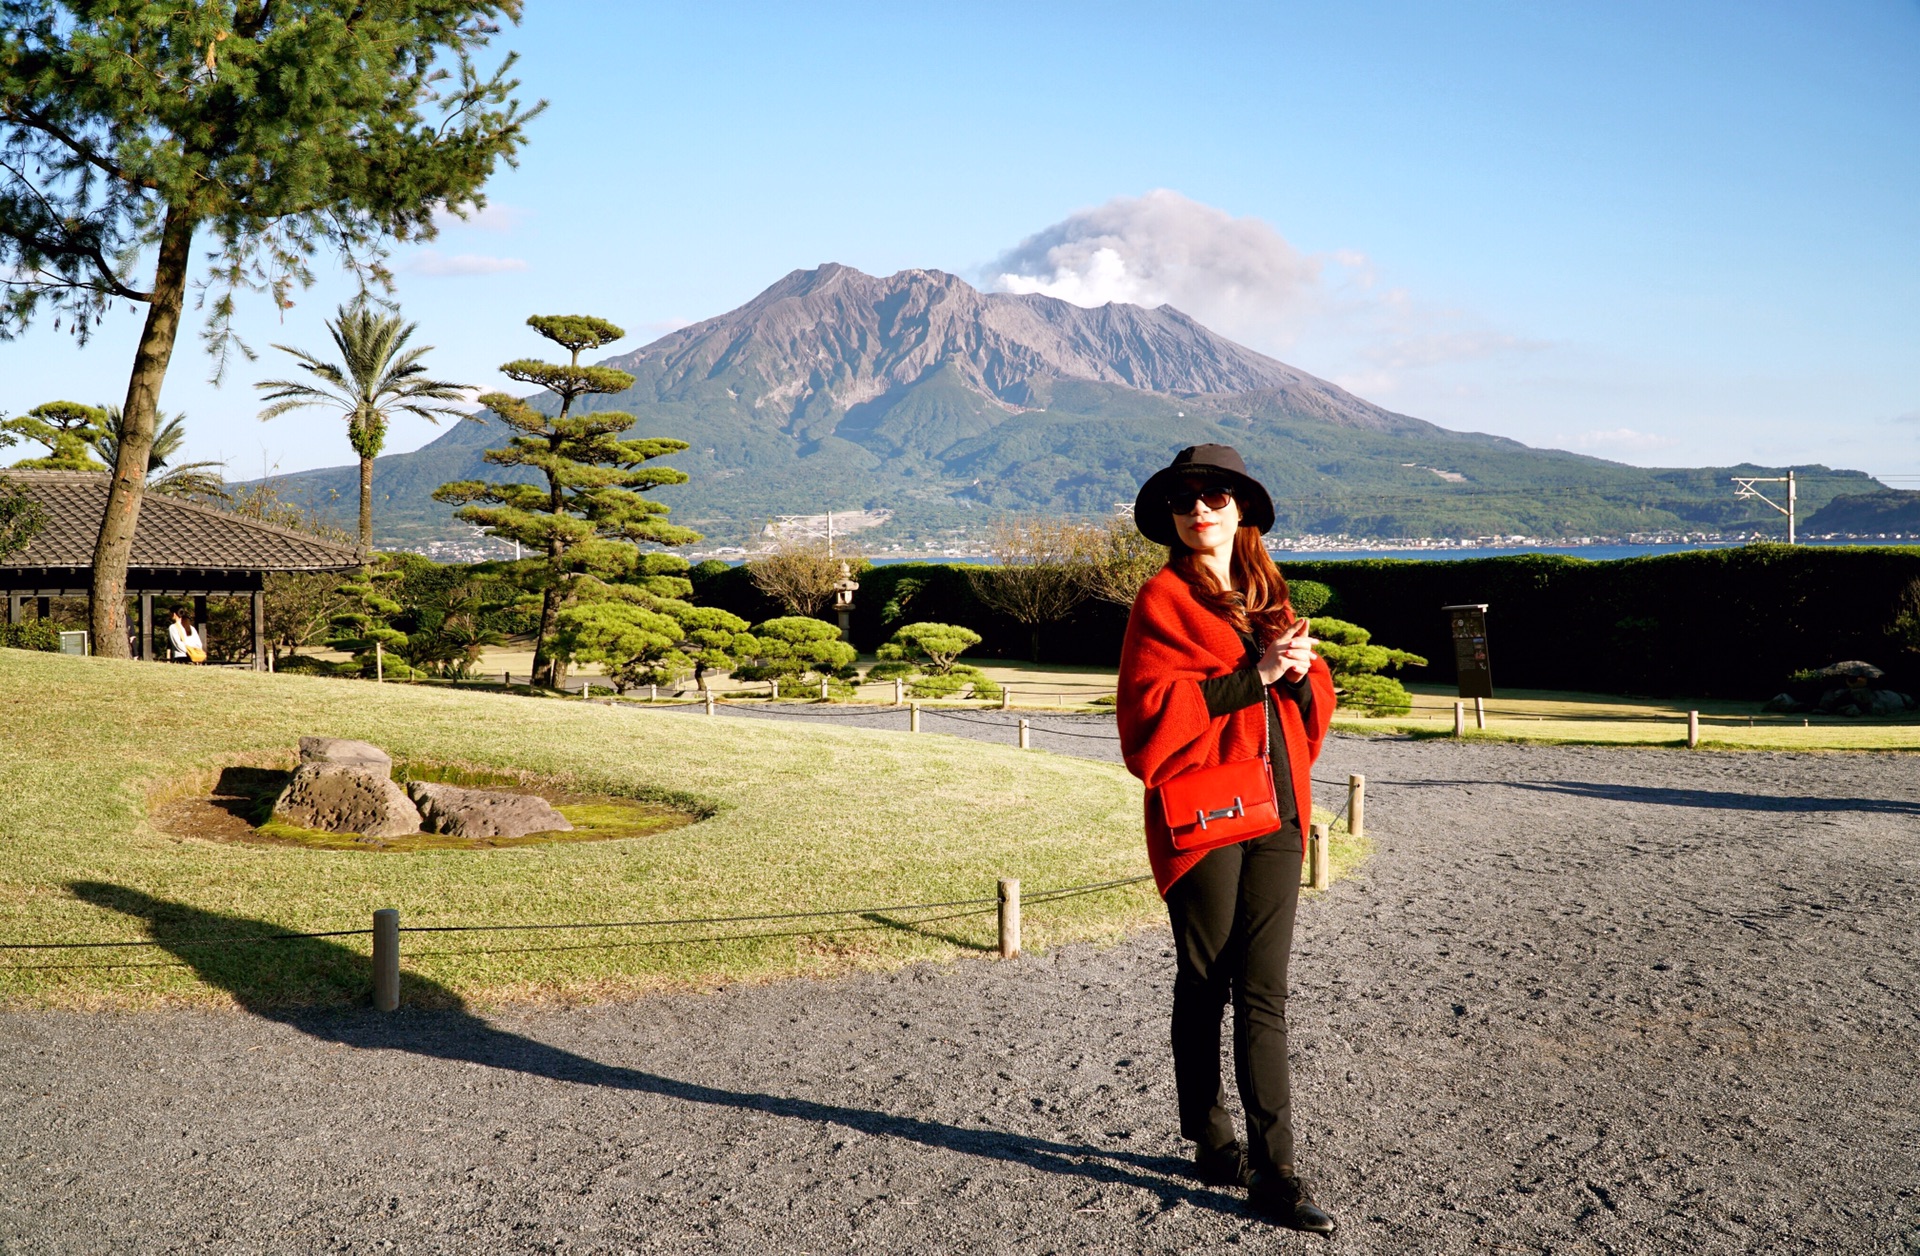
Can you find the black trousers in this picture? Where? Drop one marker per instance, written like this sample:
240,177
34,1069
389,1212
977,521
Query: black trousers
1232,919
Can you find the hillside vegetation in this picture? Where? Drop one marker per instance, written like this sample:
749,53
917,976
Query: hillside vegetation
917,394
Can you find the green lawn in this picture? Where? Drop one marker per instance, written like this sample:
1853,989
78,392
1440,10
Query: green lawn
803,818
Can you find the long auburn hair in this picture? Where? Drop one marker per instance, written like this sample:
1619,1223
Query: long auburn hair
1260,606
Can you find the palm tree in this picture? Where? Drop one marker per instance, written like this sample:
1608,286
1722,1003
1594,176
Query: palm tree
189,479
377,377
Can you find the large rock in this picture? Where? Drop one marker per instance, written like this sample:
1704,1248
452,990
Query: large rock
346,798
363,754
484,812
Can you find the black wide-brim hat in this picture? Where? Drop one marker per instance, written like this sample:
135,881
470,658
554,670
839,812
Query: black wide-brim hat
1153,512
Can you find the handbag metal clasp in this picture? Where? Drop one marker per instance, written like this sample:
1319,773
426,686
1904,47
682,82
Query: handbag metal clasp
1234,812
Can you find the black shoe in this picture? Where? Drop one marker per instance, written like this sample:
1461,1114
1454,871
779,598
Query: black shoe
1284,1199
1220,1166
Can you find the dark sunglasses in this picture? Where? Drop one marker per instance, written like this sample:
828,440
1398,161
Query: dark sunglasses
1182,499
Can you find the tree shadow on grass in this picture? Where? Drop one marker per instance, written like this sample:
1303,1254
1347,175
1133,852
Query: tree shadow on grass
1668,796
314,984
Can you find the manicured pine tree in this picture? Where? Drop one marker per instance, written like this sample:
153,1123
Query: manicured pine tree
586,513
143,140
68,430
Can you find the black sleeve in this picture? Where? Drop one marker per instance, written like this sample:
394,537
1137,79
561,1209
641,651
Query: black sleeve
1301,691
1232,692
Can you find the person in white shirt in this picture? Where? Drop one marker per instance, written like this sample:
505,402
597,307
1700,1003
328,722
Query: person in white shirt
184,638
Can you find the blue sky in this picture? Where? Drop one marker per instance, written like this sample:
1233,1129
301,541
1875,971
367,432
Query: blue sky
1667,234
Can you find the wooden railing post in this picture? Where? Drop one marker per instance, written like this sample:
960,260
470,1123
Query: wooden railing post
1357,805
386,959
1009,918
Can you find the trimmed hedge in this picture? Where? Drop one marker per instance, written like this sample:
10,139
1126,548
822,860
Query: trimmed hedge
1731,623
1725,623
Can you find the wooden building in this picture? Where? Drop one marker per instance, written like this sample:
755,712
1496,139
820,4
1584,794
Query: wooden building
181,549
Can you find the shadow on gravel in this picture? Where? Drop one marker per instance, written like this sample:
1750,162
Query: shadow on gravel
283,981
1710,799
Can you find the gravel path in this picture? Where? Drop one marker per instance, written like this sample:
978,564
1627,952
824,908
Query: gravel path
1580,1000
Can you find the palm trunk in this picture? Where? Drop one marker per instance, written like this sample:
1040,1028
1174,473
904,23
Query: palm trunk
366,508
113,550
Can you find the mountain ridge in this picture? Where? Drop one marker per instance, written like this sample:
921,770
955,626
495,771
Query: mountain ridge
919,393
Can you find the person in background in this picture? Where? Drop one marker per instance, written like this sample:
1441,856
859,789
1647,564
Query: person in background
1214,671
183,639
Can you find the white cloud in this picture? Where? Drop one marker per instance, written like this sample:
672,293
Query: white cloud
1243,279
1231,273
1911,416
439,265
1623,440
494,217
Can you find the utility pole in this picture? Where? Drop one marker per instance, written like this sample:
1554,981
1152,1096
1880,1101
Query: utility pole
1746,489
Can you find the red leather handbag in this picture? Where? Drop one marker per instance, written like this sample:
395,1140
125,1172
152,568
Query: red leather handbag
1227,803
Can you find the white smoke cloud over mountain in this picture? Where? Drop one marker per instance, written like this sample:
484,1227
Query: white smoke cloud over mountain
1243,279
1233,274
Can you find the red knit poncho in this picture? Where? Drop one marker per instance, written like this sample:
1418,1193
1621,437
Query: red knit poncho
1173,643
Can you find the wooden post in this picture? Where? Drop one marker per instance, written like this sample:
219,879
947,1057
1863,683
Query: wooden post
1009,918
1459,719
146,626
379,660
1480,714
653,693
273,656
823,689
506,679
1006,698
16,608
709,694
773,695
586,690
899,691
913,717
1693,729
1317,865
386,959
1357,805
1025,742
259,630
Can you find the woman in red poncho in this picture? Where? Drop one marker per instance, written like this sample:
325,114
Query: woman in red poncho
1214,671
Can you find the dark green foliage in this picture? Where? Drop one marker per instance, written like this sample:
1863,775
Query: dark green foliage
1893,512
68,430
20,519
794,647
926,655
35,634
587,515
1707,623
1356,664
1729,623
1310,597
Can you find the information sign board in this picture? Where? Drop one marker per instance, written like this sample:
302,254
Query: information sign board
1469,625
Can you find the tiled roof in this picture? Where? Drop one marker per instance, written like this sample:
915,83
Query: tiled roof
171,533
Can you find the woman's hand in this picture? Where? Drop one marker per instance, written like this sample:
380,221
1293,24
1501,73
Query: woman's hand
1288,657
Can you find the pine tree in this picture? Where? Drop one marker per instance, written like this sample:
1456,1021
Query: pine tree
274,132
68,430
586,515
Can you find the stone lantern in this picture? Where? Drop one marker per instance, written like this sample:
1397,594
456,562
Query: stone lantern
843,590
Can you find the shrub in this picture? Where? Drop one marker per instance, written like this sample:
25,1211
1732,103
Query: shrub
35,634
1310,597
926,655
1356,664
798,648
